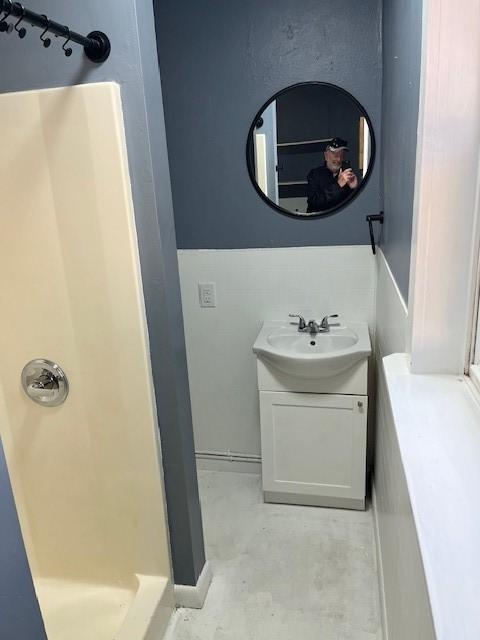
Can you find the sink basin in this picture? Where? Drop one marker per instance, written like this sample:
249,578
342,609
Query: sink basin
304,355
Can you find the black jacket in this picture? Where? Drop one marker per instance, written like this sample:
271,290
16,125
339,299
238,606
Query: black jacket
323,190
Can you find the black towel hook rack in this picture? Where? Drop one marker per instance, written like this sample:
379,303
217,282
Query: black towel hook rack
4,25
377,217
96,44
22,32
46,41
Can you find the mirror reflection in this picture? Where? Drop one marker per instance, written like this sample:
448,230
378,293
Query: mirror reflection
310,149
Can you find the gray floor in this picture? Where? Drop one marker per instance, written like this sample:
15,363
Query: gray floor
282,572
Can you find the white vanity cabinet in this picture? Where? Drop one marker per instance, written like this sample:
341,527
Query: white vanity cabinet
314,448
313,429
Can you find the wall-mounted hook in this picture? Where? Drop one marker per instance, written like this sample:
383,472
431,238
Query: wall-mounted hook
46,41
6,27
378,217
21,32
68,50
96,45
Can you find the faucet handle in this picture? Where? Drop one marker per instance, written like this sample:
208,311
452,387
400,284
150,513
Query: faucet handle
325,324
301,321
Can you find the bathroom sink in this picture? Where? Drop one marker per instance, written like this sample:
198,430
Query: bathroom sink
306,355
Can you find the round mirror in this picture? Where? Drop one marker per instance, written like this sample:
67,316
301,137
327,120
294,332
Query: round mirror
310,149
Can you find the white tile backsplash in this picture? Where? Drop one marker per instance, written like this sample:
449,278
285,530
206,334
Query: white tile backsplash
254,285
391,311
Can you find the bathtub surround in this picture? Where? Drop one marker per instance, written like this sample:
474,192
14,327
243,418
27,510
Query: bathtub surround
144,609
254,285
220,62
87,474
134,65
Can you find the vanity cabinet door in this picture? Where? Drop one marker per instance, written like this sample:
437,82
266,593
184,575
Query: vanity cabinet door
314,448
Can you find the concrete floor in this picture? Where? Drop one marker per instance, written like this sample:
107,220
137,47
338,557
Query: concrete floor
282,572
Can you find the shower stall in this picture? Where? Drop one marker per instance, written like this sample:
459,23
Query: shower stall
79,429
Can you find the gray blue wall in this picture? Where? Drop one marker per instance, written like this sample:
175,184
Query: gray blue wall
402,41
25,64
220,62
20,617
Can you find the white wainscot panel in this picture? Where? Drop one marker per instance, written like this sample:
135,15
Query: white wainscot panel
399,559
405,601
391,315
254,285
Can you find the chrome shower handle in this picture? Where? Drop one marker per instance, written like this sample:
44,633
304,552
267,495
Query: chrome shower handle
45,383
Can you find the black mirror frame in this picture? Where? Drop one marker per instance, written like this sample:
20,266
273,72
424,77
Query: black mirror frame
251,169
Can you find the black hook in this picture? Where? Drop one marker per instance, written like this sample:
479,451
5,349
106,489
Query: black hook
21,32
46,41
378,217
68,50
6,27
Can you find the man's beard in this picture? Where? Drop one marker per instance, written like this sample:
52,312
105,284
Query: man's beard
334,167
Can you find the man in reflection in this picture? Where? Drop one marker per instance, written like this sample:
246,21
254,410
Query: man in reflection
334,182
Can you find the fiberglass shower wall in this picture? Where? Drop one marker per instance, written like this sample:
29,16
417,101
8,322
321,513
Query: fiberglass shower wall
86,475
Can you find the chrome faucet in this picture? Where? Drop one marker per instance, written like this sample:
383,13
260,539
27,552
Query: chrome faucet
302,325
312,326
325,324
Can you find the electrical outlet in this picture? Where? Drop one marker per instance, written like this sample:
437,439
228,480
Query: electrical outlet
207,294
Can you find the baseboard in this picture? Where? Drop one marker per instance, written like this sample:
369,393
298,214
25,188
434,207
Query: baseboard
378,548
228,462
194,597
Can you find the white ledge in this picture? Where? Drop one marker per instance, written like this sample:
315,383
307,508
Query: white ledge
437,419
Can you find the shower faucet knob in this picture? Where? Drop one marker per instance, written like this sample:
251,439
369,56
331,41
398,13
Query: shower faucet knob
45,383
